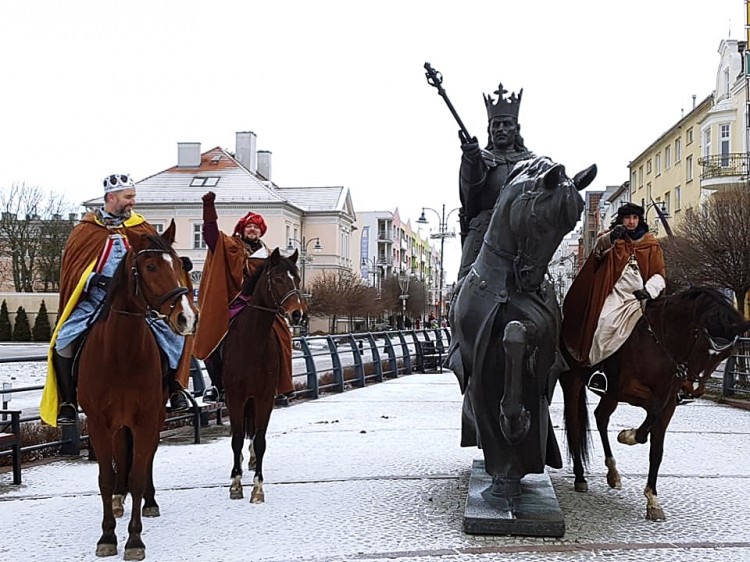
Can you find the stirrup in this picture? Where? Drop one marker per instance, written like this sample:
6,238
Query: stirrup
595,383
212,394
67,414
178,402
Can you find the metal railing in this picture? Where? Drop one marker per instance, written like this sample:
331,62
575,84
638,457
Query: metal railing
736,380
321,364
724,165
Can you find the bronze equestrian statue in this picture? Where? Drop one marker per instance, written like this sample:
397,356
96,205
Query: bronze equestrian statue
517,207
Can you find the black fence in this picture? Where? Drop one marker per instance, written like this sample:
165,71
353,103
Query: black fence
321,364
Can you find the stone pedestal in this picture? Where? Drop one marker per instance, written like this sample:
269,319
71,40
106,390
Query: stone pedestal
536,512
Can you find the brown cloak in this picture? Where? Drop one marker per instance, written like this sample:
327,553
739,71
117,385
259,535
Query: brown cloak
221,282
584,301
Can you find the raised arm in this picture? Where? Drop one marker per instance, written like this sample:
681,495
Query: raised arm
210,226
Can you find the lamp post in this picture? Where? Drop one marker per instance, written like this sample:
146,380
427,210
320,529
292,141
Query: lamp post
662,212
304,255
442,234
403,283
373,265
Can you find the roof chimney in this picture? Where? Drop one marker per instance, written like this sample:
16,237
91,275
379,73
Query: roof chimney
188,154
693,101
245,151
264,163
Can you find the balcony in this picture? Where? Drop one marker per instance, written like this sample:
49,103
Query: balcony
385,236
723,170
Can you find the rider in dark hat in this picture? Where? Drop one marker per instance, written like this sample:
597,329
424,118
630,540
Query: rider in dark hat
603,304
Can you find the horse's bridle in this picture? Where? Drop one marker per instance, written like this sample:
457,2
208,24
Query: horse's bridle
172,296
279,306
681,367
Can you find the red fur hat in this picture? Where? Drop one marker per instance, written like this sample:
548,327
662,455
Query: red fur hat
250,218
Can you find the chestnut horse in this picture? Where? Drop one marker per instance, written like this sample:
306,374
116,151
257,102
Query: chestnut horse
673,350
121,385
254,355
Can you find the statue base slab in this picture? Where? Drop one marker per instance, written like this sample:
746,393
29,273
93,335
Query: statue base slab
535,513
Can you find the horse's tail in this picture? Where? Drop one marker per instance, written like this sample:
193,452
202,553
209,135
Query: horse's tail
576,416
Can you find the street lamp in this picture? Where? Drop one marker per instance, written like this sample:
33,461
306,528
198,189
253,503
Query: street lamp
304,255
442,234
403,283
373,265
663,213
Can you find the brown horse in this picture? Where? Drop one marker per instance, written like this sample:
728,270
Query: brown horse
254,355
121,387
674,348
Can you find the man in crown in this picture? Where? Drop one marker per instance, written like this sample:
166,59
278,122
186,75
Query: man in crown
93,251
483,171
219,296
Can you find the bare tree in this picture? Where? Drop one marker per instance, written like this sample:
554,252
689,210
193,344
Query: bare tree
342,294
712,245
26,232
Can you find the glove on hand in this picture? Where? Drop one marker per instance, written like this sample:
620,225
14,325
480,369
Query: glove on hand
187,264
642,295
209,211
470,147
617,232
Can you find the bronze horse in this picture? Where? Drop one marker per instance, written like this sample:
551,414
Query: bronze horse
674,348
121,385
254,355
506,323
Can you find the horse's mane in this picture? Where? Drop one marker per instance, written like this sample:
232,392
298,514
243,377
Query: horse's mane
711,310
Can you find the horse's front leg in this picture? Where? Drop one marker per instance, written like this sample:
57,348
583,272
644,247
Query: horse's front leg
654,511
515,420
259,447
603,413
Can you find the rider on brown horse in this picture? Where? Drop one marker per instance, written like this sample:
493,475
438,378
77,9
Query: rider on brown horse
603,305
219,296
92,254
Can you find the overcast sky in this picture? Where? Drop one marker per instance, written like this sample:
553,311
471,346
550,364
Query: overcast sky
336,89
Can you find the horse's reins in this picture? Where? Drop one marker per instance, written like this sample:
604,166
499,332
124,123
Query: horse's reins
681,368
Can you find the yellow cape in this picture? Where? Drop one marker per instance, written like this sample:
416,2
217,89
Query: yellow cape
48,407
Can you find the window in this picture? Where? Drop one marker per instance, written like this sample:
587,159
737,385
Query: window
658,164
707,143
198,242
677,198
667,157
648,164
288,231
204,182
666,202
640,176
689,168
633,183
689,136
724,144
158,227
648,191
677,150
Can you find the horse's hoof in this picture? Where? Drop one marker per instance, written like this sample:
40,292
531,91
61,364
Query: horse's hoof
614,481
257,497
581,486
138,553
627,437
235,494
655,514
151,511
106,549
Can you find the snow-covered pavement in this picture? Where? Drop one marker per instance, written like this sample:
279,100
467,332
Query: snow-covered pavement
378,474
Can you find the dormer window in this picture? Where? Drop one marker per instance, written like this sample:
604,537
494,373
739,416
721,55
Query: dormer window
210,181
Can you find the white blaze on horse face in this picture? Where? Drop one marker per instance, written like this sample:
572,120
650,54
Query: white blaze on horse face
294,284
168,259
187,310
